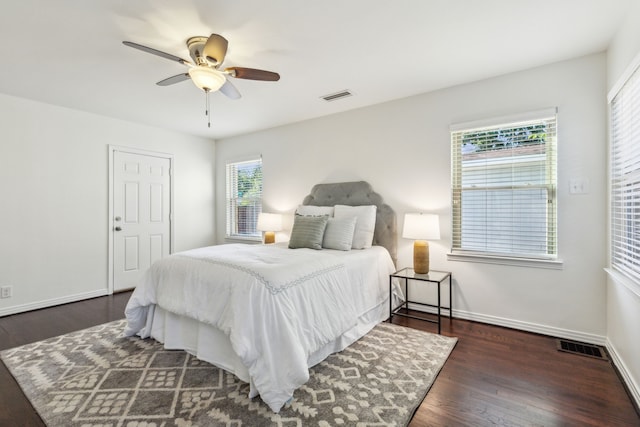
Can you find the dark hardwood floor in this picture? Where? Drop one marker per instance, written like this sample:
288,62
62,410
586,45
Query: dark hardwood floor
503,377
495,376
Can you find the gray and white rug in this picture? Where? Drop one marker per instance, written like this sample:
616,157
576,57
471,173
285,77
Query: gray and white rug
97,378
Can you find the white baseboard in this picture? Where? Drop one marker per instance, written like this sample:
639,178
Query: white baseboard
632,386
15,309
533,327
520,325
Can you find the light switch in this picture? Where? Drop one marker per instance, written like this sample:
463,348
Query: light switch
578,186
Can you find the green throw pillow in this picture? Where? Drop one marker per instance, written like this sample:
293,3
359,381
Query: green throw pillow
307,232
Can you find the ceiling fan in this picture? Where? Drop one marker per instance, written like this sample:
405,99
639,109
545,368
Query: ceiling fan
208,54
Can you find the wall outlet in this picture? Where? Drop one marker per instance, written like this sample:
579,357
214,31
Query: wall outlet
6,291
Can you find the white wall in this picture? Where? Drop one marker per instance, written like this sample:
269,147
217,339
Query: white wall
623,304
625,45
54,198
403,149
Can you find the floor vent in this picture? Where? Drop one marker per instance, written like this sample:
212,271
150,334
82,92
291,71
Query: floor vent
337,95
582,349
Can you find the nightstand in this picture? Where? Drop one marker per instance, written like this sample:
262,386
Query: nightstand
432,276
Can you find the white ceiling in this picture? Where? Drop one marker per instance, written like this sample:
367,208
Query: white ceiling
69,52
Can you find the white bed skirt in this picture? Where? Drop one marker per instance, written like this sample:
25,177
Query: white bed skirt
210,344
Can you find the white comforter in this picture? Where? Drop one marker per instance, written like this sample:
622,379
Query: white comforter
278,306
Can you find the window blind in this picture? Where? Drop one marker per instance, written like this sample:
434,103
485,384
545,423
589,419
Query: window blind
625,178
504,189
244,198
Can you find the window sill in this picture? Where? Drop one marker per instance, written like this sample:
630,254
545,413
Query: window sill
621,279
553,264
244,239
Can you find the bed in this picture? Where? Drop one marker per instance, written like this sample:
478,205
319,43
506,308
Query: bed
267,313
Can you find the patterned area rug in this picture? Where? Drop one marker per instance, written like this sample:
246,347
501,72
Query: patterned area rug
97,378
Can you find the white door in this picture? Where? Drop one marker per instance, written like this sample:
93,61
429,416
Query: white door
141,215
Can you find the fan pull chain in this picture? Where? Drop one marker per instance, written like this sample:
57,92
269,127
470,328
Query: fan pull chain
207,107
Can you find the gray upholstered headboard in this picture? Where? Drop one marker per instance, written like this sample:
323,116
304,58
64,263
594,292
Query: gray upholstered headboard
357,194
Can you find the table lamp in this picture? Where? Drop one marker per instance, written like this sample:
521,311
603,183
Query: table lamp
269,223
421,227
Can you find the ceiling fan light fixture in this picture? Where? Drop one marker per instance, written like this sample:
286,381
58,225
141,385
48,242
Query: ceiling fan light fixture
207,78
207,54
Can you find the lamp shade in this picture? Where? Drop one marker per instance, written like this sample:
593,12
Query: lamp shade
421,226
269,222
207,78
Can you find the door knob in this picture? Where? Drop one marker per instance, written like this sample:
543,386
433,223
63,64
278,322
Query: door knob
118,228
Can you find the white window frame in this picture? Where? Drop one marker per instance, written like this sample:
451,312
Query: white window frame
548,258
233,202
624,180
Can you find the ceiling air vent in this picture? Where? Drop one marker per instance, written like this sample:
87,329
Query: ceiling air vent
337,95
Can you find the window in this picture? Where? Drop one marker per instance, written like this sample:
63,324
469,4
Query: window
244,198
504,187
625,179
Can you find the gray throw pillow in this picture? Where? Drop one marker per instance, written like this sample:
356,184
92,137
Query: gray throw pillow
307,232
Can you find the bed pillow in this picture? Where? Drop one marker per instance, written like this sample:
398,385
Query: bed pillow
365,224
339,233
307,232
314,210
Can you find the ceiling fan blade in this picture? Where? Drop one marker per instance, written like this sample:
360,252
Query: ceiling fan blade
215,49
230,90
156,52
253,74
174,79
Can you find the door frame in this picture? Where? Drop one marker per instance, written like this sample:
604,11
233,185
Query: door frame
110,214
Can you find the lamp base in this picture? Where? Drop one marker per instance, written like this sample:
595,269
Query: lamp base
421,257
269,237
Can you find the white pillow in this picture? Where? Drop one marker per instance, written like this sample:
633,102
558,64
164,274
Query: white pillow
365,224
339,233
308,210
